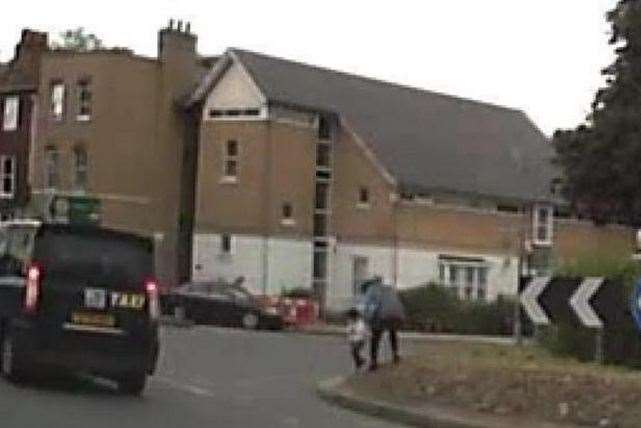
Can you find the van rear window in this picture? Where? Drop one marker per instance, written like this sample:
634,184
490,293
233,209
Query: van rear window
99,257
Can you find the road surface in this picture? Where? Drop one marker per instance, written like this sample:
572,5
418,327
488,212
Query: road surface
207,377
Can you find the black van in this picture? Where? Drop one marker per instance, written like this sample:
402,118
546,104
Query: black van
78,298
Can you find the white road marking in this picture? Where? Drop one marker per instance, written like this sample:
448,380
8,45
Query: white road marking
185,387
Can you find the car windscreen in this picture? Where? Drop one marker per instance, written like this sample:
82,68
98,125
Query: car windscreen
110,259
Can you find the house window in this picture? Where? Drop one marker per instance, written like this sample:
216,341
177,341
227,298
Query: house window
322,196
84,100
226,244
8,176
52,164
543,225
80,169
11,112
363,196
323,153
288,213
324,128
57,100
231,160
466,280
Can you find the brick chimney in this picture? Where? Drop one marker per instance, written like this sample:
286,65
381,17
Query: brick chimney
29,52
178,57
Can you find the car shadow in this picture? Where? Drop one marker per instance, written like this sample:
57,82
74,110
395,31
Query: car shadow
72,384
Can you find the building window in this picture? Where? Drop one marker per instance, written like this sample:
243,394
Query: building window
322,196
363,197
11,112
288,214
234,113
466,280
323,155
80,169
543,225
320,265
324,128
52,164
226,244
57,100
8,176
231,160
84,100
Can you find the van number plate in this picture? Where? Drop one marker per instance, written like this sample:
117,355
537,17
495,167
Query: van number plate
95,298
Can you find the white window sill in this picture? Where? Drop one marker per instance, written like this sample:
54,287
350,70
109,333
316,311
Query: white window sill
229,180
289,222
542,244
362,206
10,129
83,118
6,196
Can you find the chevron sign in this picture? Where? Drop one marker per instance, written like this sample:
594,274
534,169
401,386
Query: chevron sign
590,302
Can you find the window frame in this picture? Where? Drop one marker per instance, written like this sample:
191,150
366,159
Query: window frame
12,176
227,244
54,103
12,118
77,187
548,225
49,150
231,159
287,220
364,203
84,87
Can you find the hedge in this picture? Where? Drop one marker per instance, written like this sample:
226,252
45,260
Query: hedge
434,308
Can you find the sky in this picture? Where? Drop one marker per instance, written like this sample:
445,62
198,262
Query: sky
541,56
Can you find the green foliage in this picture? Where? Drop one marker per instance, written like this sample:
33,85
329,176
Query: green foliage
600,159
78,40
622,343
434,308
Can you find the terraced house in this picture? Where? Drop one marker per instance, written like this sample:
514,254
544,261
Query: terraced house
297,176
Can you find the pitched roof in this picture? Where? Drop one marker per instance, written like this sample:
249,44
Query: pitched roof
428,141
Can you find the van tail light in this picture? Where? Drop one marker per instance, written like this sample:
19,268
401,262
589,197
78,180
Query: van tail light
32,291
151,288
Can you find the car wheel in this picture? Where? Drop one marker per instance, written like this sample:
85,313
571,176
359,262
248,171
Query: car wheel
133,385
250,321
12,365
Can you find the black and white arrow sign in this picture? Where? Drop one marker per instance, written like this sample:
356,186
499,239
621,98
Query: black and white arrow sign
530,300
591,302
581,305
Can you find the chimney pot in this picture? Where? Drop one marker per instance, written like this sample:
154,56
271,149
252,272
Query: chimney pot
171,24
188,28
180,25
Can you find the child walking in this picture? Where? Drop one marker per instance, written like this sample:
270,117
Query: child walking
356,335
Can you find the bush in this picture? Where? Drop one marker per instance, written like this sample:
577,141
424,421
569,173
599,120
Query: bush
622,342
434,308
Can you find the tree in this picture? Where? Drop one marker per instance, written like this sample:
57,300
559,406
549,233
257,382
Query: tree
601,159
78,40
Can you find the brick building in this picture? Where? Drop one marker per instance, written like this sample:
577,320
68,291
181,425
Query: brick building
312,176
18,88
109,130
296,176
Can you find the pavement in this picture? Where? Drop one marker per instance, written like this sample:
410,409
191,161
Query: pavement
206,377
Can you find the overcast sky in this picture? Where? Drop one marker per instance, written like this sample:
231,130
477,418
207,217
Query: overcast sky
542,56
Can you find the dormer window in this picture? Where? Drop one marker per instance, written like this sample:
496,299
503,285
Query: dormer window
543,224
